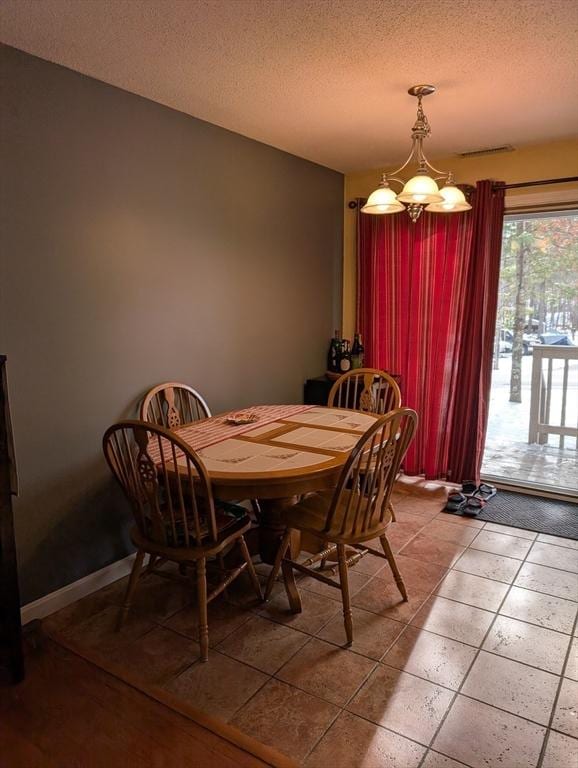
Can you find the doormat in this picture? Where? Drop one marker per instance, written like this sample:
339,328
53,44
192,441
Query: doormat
534,513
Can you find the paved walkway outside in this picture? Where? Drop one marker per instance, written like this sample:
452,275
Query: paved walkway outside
508,453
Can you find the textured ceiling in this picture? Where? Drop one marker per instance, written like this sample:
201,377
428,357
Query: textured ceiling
327,79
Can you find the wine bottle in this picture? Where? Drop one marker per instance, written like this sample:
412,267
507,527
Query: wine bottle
345,357
357,352
361,353
355,360
334,353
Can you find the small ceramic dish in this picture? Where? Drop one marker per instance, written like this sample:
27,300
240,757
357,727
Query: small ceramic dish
243,417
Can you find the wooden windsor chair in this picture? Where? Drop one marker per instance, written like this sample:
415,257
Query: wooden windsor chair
366,389
175,517
357,511
173,404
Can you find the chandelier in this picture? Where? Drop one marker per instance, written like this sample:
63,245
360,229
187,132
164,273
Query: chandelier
421,191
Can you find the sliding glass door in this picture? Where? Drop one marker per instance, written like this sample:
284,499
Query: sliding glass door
533,422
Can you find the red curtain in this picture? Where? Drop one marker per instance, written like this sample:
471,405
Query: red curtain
426,307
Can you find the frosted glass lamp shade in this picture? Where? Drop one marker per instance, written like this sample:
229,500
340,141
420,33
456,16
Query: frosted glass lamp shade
453,201
382,200
420,189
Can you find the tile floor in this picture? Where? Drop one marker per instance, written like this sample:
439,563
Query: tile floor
478,669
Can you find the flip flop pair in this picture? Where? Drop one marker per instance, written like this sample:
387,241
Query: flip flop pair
485,491
459,504
471,500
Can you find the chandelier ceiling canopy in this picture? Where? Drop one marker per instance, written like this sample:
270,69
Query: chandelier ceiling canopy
421,190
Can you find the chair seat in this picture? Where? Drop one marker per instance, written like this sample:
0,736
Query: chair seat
310,515
230,519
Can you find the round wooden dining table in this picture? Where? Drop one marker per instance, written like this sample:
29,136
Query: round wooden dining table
287,451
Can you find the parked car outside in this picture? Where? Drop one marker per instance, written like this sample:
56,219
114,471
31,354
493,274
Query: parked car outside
506,342
556,339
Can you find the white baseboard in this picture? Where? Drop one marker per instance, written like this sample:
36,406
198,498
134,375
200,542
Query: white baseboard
52,602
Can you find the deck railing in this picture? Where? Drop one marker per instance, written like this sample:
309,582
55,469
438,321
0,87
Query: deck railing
544,391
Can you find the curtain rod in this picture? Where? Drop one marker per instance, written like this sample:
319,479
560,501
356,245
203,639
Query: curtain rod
539,183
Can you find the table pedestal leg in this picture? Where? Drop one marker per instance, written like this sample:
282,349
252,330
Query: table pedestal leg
272,528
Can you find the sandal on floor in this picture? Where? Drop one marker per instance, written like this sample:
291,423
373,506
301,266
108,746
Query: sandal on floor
469,487
456,502
473,506
485,491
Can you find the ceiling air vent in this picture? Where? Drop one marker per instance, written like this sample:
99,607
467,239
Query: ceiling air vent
489,151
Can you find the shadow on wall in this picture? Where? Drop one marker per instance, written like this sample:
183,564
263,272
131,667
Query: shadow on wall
92,534
93,522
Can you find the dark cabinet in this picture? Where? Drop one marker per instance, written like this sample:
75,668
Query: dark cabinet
316,391
11,656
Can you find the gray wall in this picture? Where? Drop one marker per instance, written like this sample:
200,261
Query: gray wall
140,245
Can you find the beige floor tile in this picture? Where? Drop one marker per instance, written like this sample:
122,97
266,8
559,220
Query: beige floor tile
484,737
352,741
561,751
158,598
327,671
430,550
401,533
488,565
356,582
369,564
382,596
558,557
537,608
417,574
223,618
241,592
218,687
403,703
158,656
263,644
408,517
473,590
426,509
372,634
317,611
99,631
512,686
548,580
435,658
571,670
285,718
566,713
457,534
435,760
539,647
502,544
511,531
454,620
384,599
468,522
558,541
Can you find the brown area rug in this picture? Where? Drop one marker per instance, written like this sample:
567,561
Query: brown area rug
263,753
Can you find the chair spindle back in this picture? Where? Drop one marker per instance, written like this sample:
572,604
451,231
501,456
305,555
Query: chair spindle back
366,389
365,484
171,508
172,404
